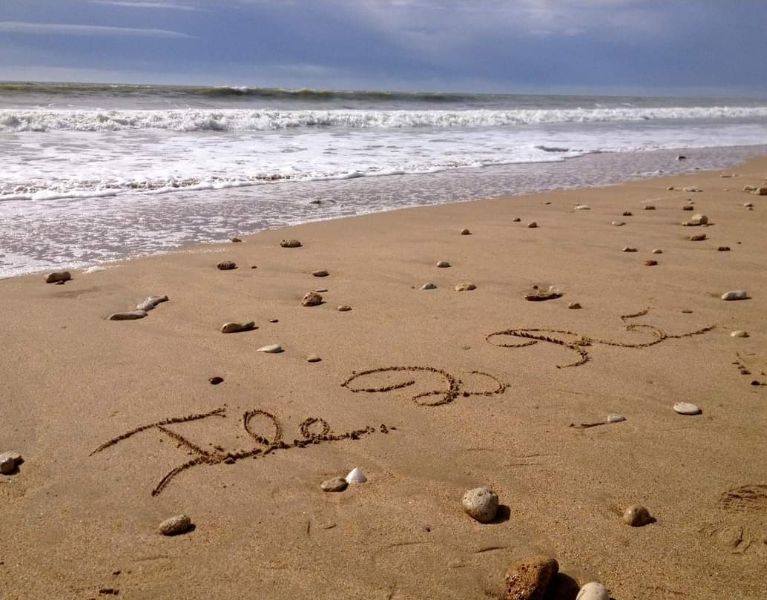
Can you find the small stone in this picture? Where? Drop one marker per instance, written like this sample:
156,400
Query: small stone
637,516
657,251
686,408
628,249
681,157
355,476
238,327
698,237
335,484
698,219
688,207
130,315
344,308
313,358
465,232
618,223
670,188
686,311
748,204
612,418
649,207
735,295
481,504
516,220
465,287
593,591
235,240
443,264
749,188
290,244
274,320
574,305
532,225
428,286
723,249
530,578
58,277
739,333
271,349
311,299
760,191
216,380
150,302
226,265
650,263
691,189
7,463
321,290
176,525
320,273
582,207
541,295
627,213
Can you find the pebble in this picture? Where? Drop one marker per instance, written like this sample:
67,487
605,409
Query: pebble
532,225
58,277
465,232
130,315
465,287
320,273
657,251
216,380
290,244
735,295
689,207
650,207
321,290
627,213
226,265
355,476
650,263
335,484
749,188
237,327
516,220
740,333
574,305
481,504
443,264
593,591
235,240
150,302
636,516
618,223
271,349
723,249
686,408
670,188
760,191
582,207
311,299
698,237
681,157
541,295
313,358
698,219
9,461
428,286
628,249
692,189
748,204
612,418
529,579
176,525
344,308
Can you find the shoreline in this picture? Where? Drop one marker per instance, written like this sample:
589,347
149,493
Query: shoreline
89,404
457,186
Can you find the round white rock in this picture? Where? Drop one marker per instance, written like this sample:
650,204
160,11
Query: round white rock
687,408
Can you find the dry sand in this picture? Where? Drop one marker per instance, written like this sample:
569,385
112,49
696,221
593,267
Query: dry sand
74,523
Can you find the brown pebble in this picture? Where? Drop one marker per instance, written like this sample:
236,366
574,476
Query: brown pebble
687,311
320,273
649,207
574,305
651,263
216,380
465,232
176,525
516,220
290,244
698,237
532,225
58,277
530,578
311,299
313,358
689,207
226,265
723,249
236,240
344,308
637,516
443,264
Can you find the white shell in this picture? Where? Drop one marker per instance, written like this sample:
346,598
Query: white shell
582,207
687,408
356,476
739,333
615,418
593,591
271,349
618,223
735,295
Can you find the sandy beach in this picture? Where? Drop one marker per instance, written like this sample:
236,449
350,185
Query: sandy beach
480,399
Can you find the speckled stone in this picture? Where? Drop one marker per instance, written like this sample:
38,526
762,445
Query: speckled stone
465,231
290,244
335,484
529,579
176,525
481,504
226,265
311,299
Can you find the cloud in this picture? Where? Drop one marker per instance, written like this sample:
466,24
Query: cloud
148,5
86,30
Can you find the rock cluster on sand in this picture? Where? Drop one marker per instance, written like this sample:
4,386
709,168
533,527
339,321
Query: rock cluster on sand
58,277
176,525
311,299
226,265
481,504
290,244
593,591
238,327
9,461
529,579
637,516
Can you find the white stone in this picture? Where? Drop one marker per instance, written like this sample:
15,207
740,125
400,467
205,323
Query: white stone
618,223
657,251
480,504
739,333
271,349
175,525
356,476
698,219
593,591
237,327
615,418
735,295
582,207
686,408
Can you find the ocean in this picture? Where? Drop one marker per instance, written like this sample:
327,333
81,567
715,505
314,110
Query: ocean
93,173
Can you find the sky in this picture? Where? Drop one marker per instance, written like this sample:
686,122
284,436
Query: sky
651,47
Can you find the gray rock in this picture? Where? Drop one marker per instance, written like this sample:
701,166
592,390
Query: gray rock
637,516
176,525
58,277
613,418
290,244
311,299
150,302
593,591
428,286
271,349
480,504
335,484
130,315
735,295
530,578
238,327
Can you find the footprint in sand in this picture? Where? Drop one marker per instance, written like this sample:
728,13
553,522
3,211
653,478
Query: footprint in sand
744,528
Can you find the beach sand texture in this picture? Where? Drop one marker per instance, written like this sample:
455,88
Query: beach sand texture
469,411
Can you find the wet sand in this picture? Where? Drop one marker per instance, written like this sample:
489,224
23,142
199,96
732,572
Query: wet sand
466,411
